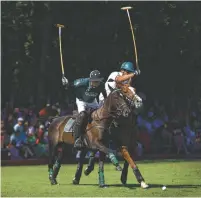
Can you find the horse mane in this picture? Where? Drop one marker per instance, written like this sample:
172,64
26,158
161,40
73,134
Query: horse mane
102,112
126,90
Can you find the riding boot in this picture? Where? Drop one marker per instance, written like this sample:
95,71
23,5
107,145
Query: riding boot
79,129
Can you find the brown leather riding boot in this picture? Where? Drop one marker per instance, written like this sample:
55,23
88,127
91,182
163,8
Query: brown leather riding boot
80,128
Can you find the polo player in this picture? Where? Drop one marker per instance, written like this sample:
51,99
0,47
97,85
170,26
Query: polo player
86,90
124,76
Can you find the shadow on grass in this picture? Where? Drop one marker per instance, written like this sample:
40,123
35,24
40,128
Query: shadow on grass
133,186
168,160
157,186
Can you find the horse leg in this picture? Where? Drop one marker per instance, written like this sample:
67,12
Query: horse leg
124,173
59,156
51,163
82,154
134,167
110,154
101,177
90,166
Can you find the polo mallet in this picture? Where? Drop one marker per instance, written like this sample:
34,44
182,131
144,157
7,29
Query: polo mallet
134,43
62,64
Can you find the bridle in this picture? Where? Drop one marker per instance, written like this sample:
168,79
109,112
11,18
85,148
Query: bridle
120,107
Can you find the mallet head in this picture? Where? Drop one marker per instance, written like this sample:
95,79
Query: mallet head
126,8
60,25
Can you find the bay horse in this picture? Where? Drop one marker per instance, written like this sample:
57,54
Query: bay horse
124,137
96,136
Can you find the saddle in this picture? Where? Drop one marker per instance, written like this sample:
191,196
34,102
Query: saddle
68,126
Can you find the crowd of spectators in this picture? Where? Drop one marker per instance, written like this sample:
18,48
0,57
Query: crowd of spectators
177,132
25,136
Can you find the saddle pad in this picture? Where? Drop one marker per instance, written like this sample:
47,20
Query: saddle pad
69,125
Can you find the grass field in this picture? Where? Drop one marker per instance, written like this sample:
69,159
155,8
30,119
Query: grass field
182,178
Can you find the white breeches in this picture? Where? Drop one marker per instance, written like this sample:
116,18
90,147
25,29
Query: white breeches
82,106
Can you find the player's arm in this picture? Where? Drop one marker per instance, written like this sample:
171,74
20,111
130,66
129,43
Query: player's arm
123,78
81,82
75,84
126,77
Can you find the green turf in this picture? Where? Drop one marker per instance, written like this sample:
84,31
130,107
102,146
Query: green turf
182,178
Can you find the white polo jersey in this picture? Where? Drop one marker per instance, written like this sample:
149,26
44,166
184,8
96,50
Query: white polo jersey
111,81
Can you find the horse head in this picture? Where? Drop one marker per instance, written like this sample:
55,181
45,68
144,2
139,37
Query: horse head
132,99
117,103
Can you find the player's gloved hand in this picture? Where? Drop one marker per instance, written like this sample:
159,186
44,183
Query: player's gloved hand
64,81
137,72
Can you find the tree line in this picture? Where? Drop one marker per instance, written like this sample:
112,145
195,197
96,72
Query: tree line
97,36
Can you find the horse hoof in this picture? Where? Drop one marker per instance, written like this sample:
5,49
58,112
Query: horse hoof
123,180
144,185
86,172
53,181
103,186
118,168
75,182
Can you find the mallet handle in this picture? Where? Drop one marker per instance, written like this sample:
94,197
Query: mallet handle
62,64
135,48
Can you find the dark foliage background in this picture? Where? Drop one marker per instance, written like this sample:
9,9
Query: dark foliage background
97,36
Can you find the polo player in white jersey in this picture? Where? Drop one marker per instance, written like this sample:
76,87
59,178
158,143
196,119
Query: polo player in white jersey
124,76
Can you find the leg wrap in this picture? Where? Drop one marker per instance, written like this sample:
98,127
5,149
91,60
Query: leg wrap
124,173
101,174
91,161
90,166
78,172
101,178
56,169
50,173
80,166
57,164
113,159
138,175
